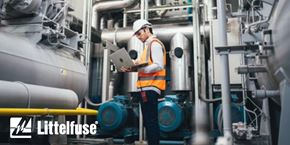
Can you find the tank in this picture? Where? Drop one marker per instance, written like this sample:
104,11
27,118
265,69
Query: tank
277,62
180,63
28,62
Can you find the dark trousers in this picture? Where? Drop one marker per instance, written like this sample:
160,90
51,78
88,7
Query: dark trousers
150,117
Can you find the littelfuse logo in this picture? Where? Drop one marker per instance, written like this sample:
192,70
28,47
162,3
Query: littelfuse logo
20,127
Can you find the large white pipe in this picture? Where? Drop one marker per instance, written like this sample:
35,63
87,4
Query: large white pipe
225,81
21,95
201,111
163,32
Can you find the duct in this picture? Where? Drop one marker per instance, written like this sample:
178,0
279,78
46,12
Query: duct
180,63
163,32
132,77
22,60
109,6
21,95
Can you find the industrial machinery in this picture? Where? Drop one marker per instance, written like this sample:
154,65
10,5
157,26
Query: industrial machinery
39,53
117,118
174,115
227,66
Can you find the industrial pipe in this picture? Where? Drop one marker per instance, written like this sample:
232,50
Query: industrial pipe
21,95
245,69
263,94
225,80
201,111
108,6
180,63
132,77
163,32
45,111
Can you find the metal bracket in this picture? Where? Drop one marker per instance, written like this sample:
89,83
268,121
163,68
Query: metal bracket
238,49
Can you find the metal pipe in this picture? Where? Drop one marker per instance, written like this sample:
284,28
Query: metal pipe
267,123
146,5
106,73
263,94
225,81
131,78
109,6
89,30
245,69
142,7
210,13
21,95
180,64
45,111
85,16
113,5
124,18
163,32
201,136
161,8
140,124
210,17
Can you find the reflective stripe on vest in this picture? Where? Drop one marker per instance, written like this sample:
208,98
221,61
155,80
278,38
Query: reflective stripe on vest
156,79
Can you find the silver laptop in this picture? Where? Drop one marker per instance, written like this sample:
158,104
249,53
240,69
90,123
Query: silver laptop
121,58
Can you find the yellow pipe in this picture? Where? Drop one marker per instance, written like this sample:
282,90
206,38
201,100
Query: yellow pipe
45,111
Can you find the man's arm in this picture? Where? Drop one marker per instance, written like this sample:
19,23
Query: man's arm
157,58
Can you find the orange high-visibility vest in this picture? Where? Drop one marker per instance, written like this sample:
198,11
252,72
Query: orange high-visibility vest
156,79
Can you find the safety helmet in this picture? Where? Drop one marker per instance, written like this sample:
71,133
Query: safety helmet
141,23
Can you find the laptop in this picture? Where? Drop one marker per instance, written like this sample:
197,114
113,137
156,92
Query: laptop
121,58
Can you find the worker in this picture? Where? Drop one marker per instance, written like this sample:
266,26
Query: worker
151,78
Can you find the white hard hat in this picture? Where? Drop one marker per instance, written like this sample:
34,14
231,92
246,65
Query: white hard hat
140,24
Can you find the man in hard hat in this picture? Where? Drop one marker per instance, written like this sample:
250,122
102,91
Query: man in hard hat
151,78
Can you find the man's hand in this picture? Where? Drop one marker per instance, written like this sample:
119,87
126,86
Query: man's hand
136,62
126,69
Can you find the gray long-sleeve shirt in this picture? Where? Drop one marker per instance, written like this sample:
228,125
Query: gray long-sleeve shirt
156,55
157,59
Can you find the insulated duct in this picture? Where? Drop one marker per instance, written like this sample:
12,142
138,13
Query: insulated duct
163,32
21,95
180,63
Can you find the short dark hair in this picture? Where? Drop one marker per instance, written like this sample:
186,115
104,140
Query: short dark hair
150,30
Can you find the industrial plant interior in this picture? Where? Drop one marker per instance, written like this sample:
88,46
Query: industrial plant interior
227,71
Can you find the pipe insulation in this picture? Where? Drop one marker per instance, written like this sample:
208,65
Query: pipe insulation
163,32
21,95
